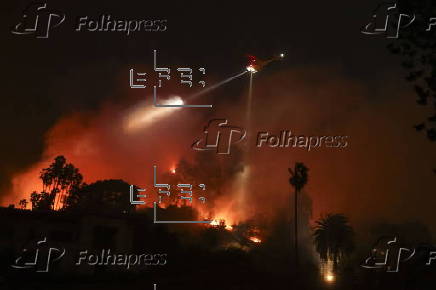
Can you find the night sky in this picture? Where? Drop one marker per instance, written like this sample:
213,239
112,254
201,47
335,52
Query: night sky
72,90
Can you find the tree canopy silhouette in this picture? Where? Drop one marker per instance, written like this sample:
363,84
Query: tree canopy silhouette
58,180
333,237
416,46
110,195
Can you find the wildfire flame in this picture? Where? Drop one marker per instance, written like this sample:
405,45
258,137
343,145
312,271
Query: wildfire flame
221,222
255,240
215,223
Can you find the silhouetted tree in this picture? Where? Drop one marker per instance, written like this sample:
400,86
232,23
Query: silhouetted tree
333,237
41,201
23,203
58,180
416,46
111,195
298,180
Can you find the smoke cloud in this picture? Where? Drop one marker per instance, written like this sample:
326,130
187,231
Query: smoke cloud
385,168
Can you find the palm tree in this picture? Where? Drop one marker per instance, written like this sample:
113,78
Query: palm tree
333,237
298,180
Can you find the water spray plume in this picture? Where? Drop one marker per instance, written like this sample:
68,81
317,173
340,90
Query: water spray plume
215,86
243,177
145,115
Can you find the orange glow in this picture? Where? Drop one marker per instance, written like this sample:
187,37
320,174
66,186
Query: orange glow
221,222
327,271
215,223
329,278
255,240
